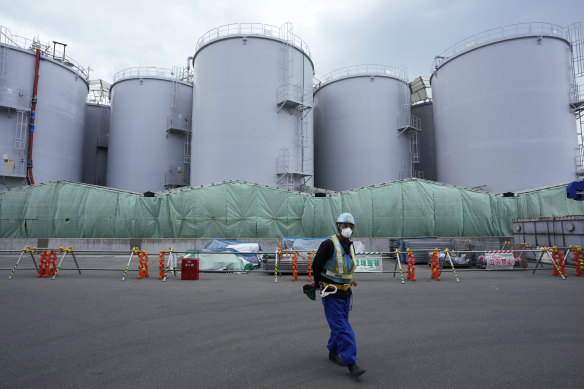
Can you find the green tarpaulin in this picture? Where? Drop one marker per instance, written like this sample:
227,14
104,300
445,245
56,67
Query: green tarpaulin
235,209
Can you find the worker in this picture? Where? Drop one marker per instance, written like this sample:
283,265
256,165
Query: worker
333,267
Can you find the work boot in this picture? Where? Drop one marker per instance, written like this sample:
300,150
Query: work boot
355,370
336,358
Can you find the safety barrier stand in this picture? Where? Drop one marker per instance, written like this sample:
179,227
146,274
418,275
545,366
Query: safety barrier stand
48,264
132,252
398,263
294,266
65,251
538,263
447,253
143,265
161,267
557,254
559,263
170,264
435,262
29,250
42,264
578,260
411,266
172,261
278,253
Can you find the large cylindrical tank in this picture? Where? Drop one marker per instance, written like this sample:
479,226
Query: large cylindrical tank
501,109
252,107
95,145
358,138
149,129
59,117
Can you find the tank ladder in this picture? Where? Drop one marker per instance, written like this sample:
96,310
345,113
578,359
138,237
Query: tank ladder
291,96
19,144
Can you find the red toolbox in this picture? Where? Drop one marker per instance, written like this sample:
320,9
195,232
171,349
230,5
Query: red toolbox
189,269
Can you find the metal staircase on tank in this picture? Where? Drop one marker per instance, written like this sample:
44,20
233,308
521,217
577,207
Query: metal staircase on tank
291,97
576,36
178,125
99,91
409,125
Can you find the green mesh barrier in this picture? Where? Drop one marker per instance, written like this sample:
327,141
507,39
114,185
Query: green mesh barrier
235,210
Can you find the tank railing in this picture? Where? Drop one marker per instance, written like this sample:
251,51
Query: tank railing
153,72
258,29
46,50
501,33
363,70
21,42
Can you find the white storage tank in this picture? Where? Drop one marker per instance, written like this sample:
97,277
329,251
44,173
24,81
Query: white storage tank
502,110
59,116
360,135
252,107
149,138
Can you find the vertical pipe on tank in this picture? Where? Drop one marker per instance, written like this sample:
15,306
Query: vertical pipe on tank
32,116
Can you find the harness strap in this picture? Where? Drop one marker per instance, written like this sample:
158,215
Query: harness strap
341,271
344,287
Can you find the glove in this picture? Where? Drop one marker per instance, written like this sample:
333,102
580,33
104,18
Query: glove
310,290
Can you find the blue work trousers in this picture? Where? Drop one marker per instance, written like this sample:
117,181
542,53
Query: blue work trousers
342,339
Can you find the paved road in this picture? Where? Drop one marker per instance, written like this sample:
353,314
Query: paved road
491,330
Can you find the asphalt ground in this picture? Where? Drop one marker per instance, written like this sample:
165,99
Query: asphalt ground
93,330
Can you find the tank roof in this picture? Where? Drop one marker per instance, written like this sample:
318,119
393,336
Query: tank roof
52,53
498,34
399,73
177,74
283,33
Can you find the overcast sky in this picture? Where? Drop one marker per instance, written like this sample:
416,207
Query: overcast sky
110,36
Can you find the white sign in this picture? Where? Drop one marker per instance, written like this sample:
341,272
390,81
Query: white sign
368,263
497,260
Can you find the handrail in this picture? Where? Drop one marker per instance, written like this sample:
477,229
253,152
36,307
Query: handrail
363,70
153,72
10,39
498,34
258,29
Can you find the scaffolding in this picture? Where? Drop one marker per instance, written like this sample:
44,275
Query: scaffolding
409,125
179,124
98,92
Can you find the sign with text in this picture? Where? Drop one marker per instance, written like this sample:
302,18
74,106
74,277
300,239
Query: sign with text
500,259
368,263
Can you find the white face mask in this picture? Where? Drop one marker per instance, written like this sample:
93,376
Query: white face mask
346,232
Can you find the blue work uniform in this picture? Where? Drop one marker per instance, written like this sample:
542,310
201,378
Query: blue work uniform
338,270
